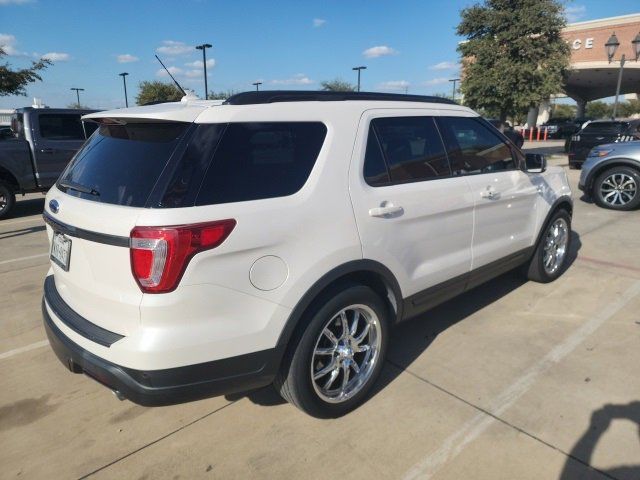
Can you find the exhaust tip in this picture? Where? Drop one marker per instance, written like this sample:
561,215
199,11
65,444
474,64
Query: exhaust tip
118,395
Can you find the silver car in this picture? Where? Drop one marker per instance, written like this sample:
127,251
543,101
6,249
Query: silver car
611,175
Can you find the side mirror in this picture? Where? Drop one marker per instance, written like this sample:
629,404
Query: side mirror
535,162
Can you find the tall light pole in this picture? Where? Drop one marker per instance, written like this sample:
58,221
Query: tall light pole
453,92
257,85
78,90
204,47
359,69
612,46
124,82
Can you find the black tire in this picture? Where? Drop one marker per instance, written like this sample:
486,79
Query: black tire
536,270
294,381
7,199
618,172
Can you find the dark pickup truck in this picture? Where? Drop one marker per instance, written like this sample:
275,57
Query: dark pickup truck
43,141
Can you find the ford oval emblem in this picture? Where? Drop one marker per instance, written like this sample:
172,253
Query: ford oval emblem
54,206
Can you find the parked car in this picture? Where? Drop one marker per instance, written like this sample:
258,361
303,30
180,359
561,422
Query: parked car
201,249
560,127
42,142
508,131
611,175
599,133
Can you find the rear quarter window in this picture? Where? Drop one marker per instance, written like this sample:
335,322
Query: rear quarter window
55,126
261,160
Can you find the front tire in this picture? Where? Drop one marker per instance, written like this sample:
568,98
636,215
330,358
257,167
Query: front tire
550,257
618,189
7,200
333,363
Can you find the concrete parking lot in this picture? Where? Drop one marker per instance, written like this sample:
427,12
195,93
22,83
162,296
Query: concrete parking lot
513,380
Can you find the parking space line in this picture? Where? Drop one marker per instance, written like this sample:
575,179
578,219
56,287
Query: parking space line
471,430
26,348
40,255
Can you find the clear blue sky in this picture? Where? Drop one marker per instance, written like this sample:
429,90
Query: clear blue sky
296,44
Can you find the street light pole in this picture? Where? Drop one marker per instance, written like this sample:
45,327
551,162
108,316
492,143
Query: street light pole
453,93
359,69
124,82
204,47
615,104
257,85
78,90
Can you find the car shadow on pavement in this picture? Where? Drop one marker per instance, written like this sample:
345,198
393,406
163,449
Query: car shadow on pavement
22,231
582,452
26,208
411,338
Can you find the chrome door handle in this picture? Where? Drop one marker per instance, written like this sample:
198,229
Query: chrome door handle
386,210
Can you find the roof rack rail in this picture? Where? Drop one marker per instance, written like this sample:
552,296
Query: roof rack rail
275,96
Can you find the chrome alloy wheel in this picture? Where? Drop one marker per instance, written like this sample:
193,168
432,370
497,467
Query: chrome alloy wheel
618,189
346,353
555,246
3,201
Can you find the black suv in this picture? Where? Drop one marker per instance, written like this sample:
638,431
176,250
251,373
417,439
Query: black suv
599,133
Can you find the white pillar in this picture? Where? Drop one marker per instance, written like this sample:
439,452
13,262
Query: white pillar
532,117
544,112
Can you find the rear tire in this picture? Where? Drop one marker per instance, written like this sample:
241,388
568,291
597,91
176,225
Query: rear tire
7,199
550,257
325,353
617,189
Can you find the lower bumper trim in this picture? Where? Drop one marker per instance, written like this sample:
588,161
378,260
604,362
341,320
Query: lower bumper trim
168,386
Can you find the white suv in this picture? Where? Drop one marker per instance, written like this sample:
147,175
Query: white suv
201,249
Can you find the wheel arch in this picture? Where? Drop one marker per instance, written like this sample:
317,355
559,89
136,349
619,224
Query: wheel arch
604,166
9,178
360,272
563,203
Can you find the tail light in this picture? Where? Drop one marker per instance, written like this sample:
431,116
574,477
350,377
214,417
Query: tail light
160,255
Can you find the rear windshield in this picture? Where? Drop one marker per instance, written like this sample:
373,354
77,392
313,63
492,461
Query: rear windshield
120,164
610,128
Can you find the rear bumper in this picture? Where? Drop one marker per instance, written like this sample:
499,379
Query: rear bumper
166,386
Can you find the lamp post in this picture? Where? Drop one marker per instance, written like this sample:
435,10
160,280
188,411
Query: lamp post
611,47
257,85
124,82
359,69
453,92
204,47
78,90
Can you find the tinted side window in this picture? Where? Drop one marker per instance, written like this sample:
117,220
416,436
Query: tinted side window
261,160
375,168
61,126
412,148
473,147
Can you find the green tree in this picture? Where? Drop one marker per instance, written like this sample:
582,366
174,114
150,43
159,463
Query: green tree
78,106
221,95
337,85
598,110
13,82
156,91
514,56
629,108
563,110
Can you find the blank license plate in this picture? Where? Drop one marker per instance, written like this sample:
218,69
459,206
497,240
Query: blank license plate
61,250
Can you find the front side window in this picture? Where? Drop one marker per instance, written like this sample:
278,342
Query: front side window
411,147
473,148
61,126
261,160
